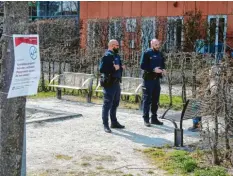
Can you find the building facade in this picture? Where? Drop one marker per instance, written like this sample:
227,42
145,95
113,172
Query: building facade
219,14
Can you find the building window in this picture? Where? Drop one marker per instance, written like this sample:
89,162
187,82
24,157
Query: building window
148,29
32,5
115,30
174,34
131,25
132,44
95,37
217,35
48,8
69,7
51,9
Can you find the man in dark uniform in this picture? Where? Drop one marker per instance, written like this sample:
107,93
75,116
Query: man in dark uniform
153,64
111,68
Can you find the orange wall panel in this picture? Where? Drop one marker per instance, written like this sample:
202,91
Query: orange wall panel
83,9
111,9
115,9
230,30
93,9
149,8
230,7
136,8
202,6
189,6
162,8
175,11
230,24
127,9
217,7
104,9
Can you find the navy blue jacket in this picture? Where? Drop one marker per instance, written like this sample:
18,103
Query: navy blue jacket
151,59
106,64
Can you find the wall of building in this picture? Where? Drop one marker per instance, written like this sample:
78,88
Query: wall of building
113,9
106,9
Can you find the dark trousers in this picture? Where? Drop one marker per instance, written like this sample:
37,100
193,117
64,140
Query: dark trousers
151,93
111,102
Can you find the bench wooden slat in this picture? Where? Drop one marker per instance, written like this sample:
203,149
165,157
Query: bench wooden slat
128,93
129,86
176,117
72,80
192,110
67,87
76,81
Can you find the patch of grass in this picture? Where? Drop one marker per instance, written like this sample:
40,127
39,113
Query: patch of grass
212,171
128,103
43,95
43,174
85,164
100,167
105,158
167,146
87,158
181,162
176,101
150,172
72,172
63,157
127,175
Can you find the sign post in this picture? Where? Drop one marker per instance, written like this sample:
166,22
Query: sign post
26,74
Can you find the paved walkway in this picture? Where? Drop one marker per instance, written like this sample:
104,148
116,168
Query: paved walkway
79,146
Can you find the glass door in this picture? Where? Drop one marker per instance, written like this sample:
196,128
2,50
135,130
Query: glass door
217,35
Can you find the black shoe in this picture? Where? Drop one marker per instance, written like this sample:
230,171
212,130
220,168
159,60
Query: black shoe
194,128
156,122
107,129
147,124
117,125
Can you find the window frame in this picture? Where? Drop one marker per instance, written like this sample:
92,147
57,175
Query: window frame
174,42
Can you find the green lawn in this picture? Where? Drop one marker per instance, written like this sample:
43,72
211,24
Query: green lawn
183,163
126,102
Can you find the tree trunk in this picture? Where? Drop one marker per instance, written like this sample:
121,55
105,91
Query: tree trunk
194,76
170,72
184,99
12,111
217,105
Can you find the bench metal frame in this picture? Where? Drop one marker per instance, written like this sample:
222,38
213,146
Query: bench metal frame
178,132
87,89
135,93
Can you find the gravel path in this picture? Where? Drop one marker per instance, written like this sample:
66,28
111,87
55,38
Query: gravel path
80,147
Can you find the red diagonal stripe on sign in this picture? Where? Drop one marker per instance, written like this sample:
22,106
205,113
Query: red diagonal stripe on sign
29,40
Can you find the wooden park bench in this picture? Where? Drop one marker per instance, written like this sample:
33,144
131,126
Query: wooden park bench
76,81
130,86
190,110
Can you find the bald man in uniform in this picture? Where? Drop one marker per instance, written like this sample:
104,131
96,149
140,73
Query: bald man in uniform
111,72
153,65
